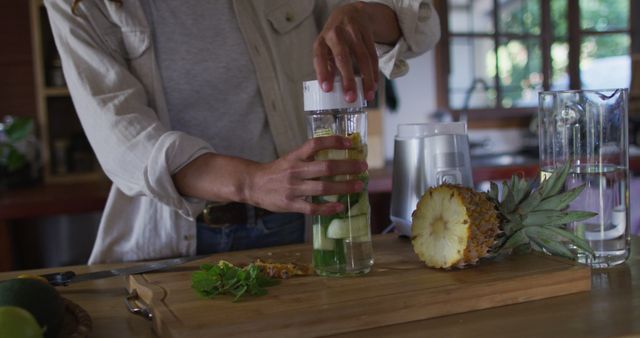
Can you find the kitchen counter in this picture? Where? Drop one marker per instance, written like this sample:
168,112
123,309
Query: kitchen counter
611,308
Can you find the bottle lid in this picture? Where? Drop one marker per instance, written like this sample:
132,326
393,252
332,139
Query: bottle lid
317,99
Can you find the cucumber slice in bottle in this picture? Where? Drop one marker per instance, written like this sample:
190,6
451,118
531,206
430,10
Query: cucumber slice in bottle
360,239
354,226
361,207
322,132
332,154
320,240
330,198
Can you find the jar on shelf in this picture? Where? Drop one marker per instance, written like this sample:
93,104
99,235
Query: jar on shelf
56,76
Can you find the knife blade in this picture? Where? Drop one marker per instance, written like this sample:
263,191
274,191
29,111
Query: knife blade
69,277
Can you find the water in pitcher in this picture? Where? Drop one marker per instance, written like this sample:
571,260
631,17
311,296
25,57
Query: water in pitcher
605,193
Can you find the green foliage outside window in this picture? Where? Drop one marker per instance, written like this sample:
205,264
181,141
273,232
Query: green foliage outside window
519,55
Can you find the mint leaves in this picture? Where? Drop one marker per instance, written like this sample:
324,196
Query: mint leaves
227,279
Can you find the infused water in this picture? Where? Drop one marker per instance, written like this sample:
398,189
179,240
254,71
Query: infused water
606,193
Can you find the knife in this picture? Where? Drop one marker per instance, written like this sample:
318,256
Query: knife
70,277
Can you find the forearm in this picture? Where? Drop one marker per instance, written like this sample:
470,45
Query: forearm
215,177
386,29
281,186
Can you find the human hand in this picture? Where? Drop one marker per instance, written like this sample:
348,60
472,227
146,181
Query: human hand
350,33
285,184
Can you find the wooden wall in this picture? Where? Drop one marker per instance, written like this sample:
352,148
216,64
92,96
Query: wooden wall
17,89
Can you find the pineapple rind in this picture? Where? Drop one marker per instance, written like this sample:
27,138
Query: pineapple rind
453,226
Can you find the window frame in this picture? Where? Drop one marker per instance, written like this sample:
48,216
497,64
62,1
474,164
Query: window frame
575,35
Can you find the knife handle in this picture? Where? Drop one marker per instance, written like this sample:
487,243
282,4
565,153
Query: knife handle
59,278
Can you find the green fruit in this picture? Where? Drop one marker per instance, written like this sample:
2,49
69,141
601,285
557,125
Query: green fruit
361,207
17,322
355,226
320,240
40,299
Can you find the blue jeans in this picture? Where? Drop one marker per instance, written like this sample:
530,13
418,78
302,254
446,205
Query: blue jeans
271,230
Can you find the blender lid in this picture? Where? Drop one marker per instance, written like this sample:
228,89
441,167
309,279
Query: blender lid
419,130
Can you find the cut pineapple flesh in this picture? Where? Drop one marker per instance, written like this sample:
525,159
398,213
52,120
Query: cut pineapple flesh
441,230
453,226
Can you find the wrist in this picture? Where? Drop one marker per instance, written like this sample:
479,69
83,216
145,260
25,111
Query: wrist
247,183
383,20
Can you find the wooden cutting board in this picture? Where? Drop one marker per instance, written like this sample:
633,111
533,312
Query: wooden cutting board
398,289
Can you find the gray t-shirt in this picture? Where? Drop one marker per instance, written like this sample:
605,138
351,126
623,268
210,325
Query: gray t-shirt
209,80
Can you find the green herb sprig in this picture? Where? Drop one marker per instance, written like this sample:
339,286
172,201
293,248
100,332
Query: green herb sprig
227,279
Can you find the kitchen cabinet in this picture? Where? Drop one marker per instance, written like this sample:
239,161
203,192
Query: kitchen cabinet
22,212
65,151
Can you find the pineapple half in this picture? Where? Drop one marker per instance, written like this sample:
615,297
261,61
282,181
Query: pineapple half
454,226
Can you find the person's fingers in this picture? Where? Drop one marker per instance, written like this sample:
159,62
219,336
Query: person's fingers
325,188
309,149
322,209
317,169
369,44
340,44
323,65
365,62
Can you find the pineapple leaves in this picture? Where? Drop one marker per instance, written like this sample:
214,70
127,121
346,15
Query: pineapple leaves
511,226
555,182
550,238
548,241
560,201
531,203
494,192
513,193
581,243
533,217
553,217
508,200
545,239
517,239
520,188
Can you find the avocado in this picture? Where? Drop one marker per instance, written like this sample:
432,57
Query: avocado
42,300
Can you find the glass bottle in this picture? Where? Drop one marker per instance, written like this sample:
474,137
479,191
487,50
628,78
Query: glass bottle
341,242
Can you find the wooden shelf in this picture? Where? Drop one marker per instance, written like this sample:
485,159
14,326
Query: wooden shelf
56,117
56,91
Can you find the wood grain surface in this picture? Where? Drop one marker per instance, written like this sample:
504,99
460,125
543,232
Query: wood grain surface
398,290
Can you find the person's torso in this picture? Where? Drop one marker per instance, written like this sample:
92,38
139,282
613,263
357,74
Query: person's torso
208,77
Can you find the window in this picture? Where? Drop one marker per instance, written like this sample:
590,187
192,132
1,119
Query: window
495,55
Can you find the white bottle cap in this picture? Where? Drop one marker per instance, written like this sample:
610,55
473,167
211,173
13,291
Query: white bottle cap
317,99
